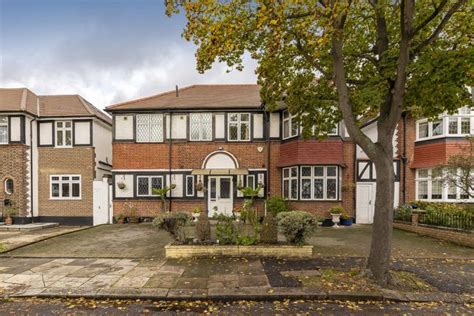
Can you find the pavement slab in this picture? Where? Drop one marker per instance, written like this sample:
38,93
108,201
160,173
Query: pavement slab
133,282
162,281
101,281
69,282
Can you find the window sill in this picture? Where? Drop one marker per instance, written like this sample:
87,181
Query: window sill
65,199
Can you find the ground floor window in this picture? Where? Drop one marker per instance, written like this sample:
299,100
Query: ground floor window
146,184
311,183
65,187
190,185
430,186
8,186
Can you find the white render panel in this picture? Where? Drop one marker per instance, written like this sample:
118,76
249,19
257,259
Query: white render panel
124,127
371,132
220,125
102,138
15,129
258,126
126,192
176,179
179,126
82,133
275,124
46,133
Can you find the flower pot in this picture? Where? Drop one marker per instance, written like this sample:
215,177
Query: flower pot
120,221
8,220
346,221
336,218
196,216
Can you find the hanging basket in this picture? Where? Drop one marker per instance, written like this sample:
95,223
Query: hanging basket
121,185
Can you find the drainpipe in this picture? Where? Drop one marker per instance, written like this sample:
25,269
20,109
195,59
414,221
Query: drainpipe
31,170
169,157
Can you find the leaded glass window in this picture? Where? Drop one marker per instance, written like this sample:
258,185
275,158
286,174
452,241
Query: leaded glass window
64,134
3,130
201,126
146,184
149,128
238,126
190,185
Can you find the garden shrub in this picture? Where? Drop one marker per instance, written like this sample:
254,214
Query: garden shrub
403,213
446,214
296,226
171,222
269,231
225,231
337,209
247,240
276,205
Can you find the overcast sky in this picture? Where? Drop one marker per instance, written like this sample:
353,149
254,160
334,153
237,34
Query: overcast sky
108,51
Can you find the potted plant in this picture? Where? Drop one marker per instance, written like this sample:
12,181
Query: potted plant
346,220
236,213
121,185
336,212
8,212
120,218
196,212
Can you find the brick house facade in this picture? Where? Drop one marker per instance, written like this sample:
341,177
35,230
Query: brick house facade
52,148
171,137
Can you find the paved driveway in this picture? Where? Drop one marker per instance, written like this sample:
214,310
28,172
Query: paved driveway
355,241
107,241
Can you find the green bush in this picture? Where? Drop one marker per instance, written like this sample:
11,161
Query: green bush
225,231
403,213
277,204
203,228
247,240
269,231
171,222
337,209
446,214
296,226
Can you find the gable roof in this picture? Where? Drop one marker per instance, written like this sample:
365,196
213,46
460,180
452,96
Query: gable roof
69,105
24,100
214,96
18,99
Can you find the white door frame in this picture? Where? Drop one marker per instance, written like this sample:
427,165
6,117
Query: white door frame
224,205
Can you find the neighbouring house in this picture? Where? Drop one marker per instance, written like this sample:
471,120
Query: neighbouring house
52,148
209,140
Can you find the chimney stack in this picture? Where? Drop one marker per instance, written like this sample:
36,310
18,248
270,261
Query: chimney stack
177,91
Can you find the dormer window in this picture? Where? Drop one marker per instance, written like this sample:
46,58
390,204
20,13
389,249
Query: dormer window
64,134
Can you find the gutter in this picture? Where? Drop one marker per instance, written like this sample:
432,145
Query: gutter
169,158
404,157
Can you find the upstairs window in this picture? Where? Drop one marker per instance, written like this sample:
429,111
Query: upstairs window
239,127
65,187
64,134
290,126
200,126
3,130
437,128
149,128
459,126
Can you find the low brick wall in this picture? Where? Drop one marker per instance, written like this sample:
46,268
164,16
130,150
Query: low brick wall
451,235
187,251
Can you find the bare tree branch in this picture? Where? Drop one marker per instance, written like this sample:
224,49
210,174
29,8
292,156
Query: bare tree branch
434,14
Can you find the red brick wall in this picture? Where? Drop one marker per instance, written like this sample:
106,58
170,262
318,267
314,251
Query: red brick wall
437,152
13,162
408,173
457,237
299,152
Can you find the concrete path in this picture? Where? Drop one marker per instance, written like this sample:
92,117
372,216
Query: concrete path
192,279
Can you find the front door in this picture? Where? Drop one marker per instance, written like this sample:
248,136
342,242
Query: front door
364,205
220,198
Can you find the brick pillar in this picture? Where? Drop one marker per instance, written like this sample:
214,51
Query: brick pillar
414,219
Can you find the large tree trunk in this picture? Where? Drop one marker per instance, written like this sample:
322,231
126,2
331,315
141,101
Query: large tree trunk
380,250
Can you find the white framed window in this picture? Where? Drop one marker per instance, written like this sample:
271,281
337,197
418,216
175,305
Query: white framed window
456,125
3,129
65,187
430,187
290,183
63,133
334,131
200,126
9,186
149,128
146,184
319,182
238,126
290,126
190,185
251,181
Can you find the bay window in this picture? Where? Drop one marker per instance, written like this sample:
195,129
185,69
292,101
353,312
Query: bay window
146,184
430,186
200,126
290,183
238,126
456,125
149,128
65,187
64,134
3,130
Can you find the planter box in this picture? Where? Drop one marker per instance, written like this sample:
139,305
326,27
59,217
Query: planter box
188,251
